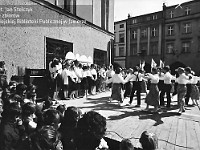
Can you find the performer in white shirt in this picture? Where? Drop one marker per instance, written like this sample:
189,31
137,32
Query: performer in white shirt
117,81
189,88
152,97
93,82
136,77
166,87
194,89
128,85
182,80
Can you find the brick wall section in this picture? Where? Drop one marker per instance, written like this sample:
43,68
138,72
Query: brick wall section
25,46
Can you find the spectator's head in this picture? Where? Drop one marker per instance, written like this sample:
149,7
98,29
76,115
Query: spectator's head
28,110
51,117
126,144
31,88
11,112
21,89
71,116
12,86
32,96
61,108
149,141
47,104
91,129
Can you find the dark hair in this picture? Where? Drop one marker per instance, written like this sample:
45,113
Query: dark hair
188,69
136,68
51,117
11,110
148,141
28,109
31,87
166,68
118,70
31,95
20,87
126,144
90,128
61,108
155,70
71,116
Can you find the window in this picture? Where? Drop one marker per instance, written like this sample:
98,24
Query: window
187,10
121,26
186,47
121,51
148,18
133,49
143,47
187,28
153,32
170,48
171,14
134,34
144,33
170,30
121,38
154,48
134,21
154,17
114,52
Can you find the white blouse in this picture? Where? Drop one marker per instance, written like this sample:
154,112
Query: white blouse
154,78
116,78
182,79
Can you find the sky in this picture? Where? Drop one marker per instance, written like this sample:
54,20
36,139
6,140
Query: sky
140,7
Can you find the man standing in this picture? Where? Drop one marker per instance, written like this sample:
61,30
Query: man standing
166,87
136,77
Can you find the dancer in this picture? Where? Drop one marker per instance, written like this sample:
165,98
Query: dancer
166,87
182,80
152,97
187,96
117,81
194,89
137,79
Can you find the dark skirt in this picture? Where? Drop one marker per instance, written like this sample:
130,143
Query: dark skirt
152,97
194,92
117,93
85,83
72,85
160,85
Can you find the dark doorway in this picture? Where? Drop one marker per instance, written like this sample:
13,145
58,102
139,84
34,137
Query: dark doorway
100,57
56,49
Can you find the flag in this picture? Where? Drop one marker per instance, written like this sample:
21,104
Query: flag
153,64
162,64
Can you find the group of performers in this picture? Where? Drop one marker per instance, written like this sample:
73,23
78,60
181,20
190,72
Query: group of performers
161,82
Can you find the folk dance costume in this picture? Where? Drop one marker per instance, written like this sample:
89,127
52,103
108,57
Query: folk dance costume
166,87
117,81
136,77
194,89
93,82
152,97
182,80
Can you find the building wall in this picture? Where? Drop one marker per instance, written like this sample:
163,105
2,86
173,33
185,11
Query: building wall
120,58
140,47
178,20
25,46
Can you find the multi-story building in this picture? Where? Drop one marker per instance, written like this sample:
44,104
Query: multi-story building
171,35
35,31
120,43
144,38
182,35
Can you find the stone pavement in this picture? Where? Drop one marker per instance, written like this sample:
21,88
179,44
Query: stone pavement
175,132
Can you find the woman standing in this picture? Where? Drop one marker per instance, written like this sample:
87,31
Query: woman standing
152,97
182,80
93,82
117,80
194,89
